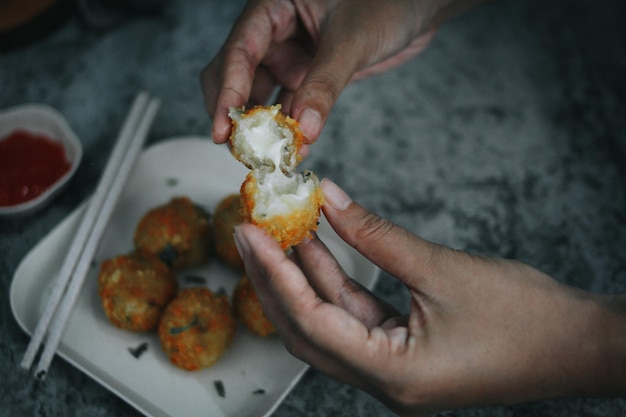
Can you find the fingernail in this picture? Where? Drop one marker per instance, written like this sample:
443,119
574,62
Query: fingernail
220,133
310,122
243,246
335,196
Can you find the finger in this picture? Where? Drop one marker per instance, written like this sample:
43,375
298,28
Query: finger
335,63
304,320
394,249
332,284
387,29
321,334
278,280
210,81
232,72
304,151
285,98
226,81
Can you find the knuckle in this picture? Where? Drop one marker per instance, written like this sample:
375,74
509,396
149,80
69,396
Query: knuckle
292,347
296,342
322,85
238,59
346,290
372,227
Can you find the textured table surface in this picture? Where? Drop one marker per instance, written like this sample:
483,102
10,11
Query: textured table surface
507,137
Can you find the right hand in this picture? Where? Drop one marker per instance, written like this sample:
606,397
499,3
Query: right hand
311,50
480,330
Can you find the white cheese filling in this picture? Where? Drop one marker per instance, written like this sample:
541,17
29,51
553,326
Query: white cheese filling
266,147
261,140
279,194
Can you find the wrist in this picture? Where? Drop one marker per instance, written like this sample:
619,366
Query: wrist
587,353
599,365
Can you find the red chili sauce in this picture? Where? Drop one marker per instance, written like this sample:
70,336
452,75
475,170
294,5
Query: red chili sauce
29,164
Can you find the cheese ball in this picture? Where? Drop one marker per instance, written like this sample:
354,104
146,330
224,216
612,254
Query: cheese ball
196,328
288,208
178,232
134,290
275,196
227,215
264,137
248,309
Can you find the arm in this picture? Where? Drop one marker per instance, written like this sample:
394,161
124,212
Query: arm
480,330
312,50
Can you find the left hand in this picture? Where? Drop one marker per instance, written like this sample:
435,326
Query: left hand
311,50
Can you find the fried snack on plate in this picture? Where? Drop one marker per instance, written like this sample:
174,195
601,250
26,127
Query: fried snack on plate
196,328
134,290
179,232
248,309
226,216
275,197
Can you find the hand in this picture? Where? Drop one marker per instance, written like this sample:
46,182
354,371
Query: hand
312,50
480,330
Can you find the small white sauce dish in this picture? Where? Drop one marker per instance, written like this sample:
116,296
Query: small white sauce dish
44,120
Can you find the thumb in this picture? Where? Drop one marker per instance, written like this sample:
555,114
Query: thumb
332,69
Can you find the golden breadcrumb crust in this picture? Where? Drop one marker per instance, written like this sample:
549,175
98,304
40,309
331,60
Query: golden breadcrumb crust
287,230
134,290
282,120
196,328
227,215
291,229
248,309
179,232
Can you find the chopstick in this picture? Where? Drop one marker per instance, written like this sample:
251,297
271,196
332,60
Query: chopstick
85,242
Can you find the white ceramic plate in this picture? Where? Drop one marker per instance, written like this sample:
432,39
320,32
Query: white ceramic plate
41,119
256,373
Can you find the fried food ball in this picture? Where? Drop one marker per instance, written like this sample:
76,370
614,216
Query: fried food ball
264,136
227,215
196,328
288,208
179,232
134,290
248,309
276,197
